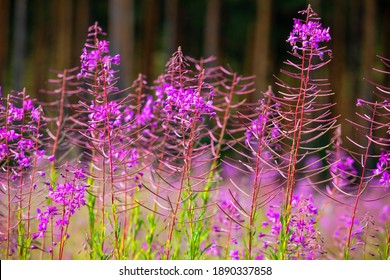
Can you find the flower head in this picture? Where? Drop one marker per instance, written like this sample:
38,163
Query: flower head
184,104
20,122
96,59
381,169
307,35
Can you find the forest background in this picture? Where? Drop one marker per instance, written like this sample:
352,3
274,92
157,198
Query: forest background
248,36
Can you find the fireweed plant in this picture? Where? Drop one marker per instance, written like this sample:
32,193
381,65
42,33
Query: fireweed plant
187,167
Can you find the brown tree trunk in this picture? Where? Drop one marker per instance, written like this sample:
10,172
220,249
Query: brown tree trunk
368,47
41,47
121,32
62,27
81,22
149,37
170,28
4,37
211,32
19,44
386,40
337,66
261,45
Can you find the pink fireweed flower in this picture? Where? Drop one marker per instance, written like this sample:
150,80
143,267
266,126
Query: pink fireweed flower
381,169
184,104
263,129
66,199
303,235
44,219
68,195
309,35
97,59
19,132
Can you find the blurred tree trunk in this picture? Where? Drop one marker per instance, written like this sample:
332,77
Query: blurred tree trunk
121,32
149,37
41,46
316,6
62,30
4,37
337,66
170,28
19,44
261,45
386,40
368,47
81,23
211,32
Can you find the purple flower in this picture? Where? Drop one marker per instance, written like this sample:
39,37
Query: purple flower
147,112
343,170
308,35
27,105
384,215
44,219
40,153
303,236
36,114
259,257
19,130
385,180
100,113
133,158
262,128
95,59
116,59
104,46
214,249
184,104
234,255
256,129
382,166
14,114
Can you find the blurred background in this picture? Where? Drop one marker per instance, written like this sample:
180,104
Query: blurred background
246,36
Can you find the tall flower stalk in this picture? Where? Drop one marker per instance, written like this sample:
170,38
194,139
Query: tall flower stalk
304,114
20,149
372,124
109,141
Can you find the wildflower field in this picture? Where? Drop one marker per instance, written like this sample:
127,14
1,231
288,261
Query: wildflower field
188,167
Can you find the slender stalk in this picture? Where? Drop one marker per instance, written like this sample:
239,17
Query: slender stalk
361,183
8,183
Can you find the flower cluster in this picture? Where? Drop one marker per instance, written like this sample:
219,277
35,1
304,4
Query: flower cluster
66,198
384,215
225,218
304,236
258,130
226,223
96,60
19,133
343,171
341,231
44,219
308,35
382,169
364,233
100,113
185,104
143,119
303,240
70,196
